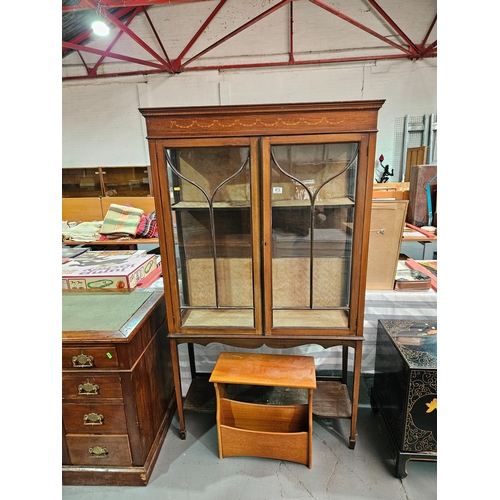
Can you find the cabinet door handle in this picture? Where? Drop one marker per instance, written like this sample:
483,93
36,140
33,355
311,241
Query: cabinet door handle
83,361
93,419
98,452
88,389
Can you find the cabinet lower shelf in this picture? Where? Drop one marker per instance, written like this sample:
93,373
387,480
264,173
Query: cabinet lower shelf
331,398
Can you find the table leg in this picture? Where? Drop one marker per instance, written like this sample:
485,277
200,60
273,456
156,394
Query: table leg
355,393
178,387
401,471
345,360
192,360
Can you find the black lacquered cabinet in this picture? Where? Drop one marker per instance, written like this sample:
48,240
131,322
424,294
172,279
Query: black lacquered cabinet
405,387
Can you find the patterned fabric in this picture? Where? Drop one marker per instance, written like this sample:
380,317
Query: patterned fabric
85,231
121,221
148,226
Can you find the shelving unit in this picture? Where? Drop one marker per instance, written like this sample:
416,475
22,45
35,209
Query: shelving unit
84,182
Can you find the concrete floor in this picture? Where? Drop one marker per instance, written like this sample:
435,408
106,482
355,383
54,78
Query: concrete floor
190,469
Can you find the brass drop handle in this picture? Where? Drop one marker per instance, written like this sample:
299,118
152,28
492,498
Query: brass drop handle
88,389
83,361
98,452
93,419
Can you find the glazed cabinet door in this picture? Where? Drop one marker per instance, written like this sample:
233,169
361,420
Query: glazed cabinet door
313,204
211,208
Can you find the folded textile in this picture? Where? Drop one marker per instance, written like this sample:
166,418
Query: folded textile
121,221
85,231
148,226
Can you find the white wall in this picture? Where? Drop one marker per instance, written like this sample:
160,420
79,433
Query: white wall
102,125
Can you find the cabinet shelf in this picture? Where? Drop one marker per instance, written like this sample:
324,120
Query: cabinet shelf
286,318
331,398
196,205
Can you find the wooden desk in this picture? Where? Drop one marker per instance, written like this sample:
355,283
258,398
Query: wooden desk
282,430
117,387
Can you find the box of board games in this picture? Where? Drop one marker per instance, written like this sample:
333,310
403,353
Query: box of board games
107,270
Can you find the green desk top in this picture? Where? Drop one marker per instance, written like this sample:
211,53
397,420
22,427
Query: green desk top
100,311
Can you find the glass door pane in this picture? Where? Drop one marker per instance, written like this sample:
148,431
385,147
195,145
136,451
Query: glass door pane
312,211
81,182
210,196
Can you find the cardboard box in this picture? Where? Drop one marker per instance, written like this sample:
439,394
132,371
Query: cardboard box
107,270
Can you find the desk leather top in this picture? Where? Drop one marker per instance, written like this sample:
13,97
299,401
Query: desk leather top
99,310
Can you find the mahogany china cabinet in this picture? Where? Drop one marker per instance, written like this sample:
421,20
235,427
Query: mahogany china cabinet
264,214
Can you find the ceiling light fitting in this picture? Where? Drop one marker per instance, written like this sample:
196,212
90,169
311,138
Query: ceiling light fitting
99,27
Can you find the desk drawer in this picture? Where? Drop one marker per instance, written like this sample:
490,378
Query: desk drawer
81,358
85,387
94,418
99,450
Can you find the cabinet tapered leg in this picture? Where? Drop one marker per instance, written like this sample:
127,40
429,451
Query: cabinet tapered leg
358,352
178,387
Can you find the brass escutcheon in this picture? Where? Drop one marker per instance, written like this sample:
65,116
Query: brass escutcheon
83,361
98,452
88,389
93,419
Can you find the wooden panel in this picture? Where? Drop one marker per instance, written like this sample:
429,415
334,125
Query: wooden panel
265,369
85,387
386,230
251,120
81,209
152,390
414,156
418,210
261,417
293,447
77,418
392,190
116,450
146,203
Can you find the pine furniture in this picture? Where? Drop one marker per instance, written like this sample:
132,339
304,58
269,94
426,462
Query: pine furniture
251,428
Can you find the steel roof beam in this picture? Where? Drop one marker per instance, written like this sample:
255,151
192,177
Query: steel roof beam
112,19
396,28
113,55
236,31
177,62
360,26
113,4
